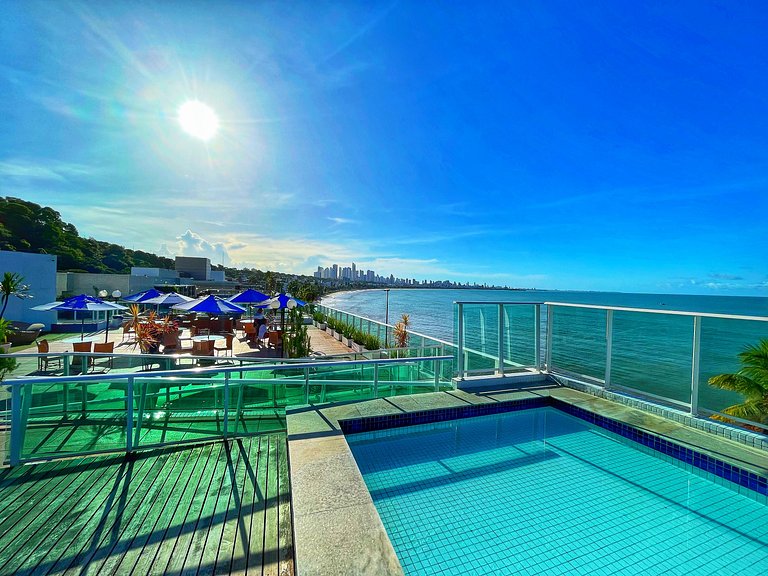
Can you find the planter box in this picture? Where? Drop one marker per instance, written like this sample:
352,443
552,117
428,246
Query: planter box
358,347
321,325
348,342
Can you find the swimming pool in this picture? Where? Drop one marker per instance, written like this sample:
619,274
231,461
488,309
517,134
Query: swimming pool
539,491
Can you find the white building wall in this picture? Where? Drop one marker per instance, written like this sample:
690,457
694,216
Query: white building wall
39,272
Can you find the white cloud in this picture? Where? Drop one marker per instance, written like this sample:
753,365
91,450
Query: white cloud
192,244
337,220
42,170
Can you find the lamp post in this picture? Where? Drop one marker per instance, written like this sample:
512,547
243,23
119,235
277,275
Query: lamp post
386,321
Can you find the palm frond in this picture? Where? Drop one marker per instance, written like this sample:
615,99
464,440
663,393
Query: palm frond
738,383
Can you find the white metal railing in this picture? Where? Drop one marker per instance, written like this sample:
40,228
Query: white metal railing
358,321
425,370
546,332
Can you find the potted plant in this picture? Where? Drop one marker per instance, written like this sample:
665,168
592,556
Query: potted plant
6,328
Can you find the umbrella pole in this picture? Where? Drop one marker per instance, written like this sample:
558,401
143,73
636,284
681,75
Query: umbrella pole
106,332
82,328
282,332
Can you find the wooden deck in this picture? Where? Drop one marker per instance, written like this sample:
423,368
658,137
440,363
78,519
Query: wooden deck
216,508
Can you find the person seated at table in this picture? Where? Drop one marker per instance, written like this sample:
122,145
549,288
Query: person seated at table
259,319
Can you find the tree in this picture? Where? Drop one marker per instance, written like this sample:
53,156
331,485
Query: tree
12,285
751,382
270,283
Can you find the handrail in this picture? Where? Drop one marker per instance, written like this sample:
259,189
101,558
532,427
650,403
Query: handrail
619,308
606,381
140,382
213,370
443,342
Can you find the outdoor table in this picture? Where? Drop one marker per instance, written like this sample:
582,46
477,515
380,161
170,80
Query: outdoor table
74,339
205,337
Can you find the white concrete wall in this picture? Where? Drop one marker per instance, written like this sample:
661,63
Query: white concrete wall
39,272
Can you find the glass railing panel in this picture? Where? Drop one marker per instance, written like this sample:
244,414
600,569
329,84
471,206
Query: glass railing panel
5,423
258,407
71,418
722,340
519,336
170,410
481,326
652,353
578,341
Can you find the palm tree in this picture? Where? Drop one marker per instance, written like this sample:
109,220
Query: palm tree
751,382
12,285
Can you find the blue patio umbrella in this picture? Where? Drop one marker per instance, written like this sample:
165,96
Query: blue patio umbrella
168,299
249,297
142,296
82,303
210,305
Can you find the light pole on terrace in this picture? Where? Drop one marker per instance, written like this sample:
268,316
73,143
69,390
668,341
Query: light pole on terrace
386,320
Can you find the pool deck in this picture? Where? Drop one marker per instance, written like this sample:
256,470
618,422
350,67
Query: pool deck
320,341
336,526
217,508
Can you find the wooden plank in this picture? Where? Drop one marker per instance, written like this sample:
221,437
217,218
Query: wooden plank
284,527
228,499
218,487
121,534
255,562
271,560
233,528
43,500
48,532
242,537
202,495
189,502
30,482
144,522
84,544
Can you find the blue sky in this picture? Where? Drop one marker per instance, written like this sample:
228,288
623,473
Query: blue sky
593,145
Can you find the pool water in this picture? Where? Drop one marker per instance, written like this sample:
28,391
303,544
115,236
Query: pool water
542,492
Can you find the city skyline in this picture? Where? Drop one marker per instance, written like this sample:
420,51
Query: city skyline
618,148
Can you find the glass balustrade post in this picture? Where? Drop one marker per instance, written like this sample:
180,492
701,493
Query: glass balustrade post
437,374
226,404
608,346
537,335
306,385
500,336
376,380
550,322
129,416
695,366
16,424
460,340
67,360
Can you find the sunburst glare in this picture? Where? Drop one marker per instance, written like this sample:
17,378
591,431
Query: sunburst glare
198,120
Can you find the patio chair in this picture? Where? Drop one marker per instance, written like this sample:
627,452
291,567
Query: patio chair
103,348
82,348
228,340
171,342
43,361
250,332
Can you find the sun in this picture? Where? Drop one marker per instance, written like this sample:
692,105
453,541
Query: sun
198,120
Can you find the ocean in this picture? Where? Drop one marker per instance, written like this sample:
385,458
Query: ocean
431,311
651,352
